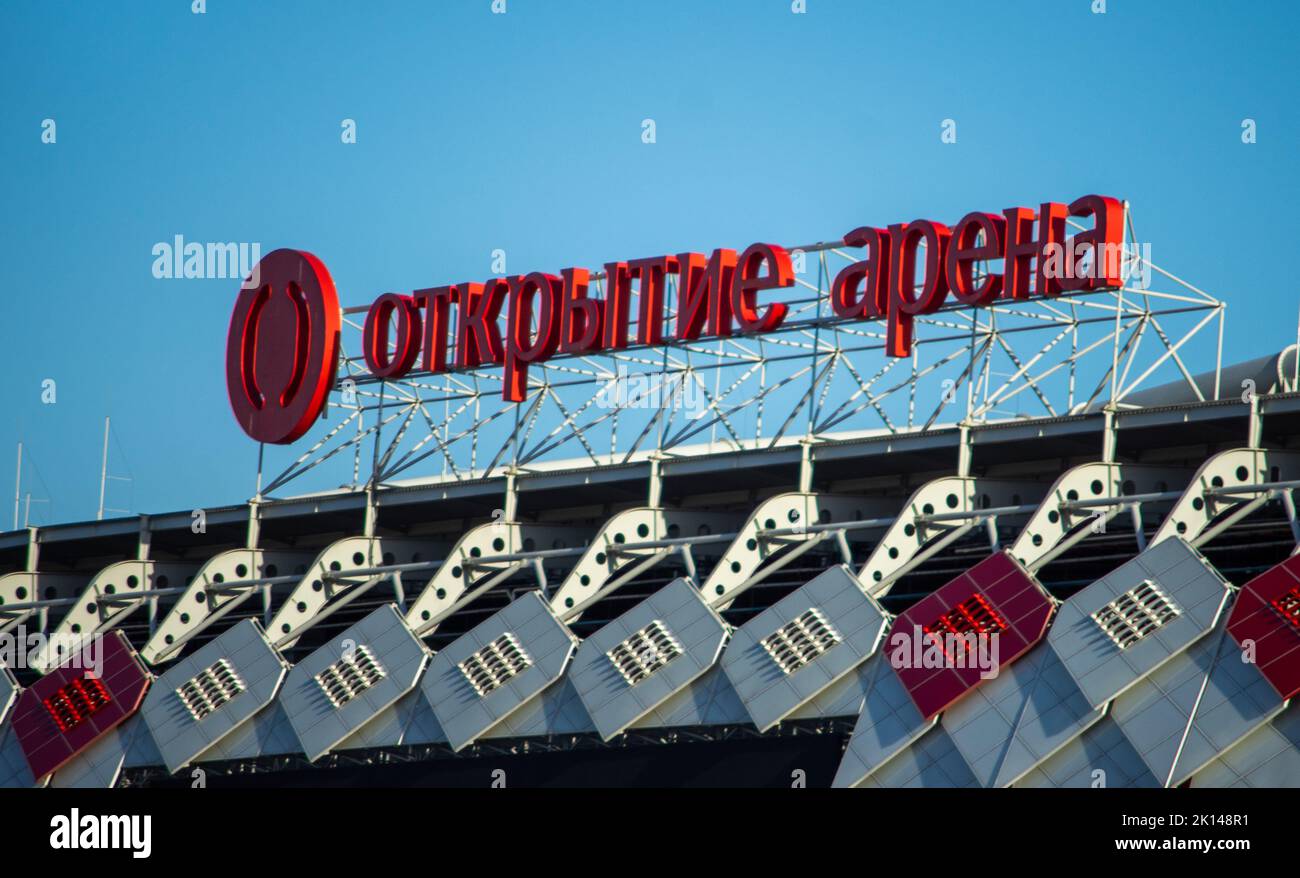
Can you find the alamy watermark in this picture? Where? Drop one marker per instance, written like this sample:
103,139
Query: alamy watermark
929,649
181,260
21,648
653,390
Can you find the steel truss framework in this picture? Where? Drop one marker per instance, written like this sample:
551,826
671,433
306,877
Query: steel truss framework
817,373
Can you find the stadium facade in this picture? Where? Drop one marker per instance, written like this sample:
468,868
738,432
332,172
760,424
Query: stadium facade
936,518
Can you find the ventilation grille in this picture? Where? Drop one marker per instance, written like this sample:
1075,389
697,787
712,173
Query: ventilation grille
1135,614
1288,607
488,669
645,652
350,676
75,702
210,689
801,640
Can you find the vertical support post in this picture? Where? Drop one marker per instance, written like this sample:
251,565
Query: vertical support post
33,549
656,498
144,545
254,534
372,512
1256,423
512,497
964,451
1109,435
805,466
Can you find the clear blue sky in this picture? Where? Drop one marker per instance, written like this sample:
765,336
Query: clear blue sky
522,131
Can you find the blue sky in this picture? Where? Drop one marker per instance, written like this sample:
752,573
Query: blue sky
522,131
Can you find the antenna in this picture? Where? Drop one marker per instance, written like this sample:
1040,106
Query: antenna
104,477
18,485
103,473
23,502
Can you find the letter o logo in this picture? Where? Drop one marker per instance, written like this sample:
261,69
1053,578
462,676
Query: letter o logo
282,349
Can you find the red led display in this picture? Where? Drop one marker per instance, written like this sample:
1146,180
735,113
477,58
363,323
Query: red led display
1288,606
972,616
69,709
969,629
1265,621
76,701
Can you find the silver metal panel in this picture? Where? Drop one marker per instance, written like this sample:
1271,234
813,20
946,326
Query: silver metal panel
423,727
1196,706
409,720
8,692
268,733
246,651
709,701
1267,757
1012,722
14,771
556,711
319,724
932,761
1100,757
1101,668
99,766
888,723
141,751
841,698
546,644
772,692
612,702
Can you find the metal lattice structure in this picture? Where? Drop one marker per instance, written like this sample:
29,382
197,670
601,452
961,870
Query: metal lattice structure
815,375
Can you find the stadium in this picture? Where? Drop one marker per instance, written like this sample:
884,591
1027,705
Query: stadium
902,507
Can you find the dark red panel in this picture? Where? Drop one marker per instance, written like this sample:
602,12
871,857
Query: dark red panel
1267,612
998,598
70,708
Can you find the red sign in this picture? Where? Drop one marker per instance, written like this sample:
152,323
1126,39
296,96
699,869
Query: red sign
283,347
282,351
79,702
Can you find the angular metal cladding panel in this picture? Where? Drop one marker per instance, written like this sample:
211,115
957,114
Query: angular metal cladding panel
268,733
931,762
472,688
1267,615
614,702
382,639
409,720
1267,757
709,701
251,665
1195,706
1100,757
556,711
106,664
14,771
1016,720
1103,669
1018,610
787,654
843,698
8,693
888,723
99,765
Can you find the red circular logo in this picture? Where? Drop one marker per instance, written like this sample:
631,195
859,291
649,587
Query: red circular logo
282,350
